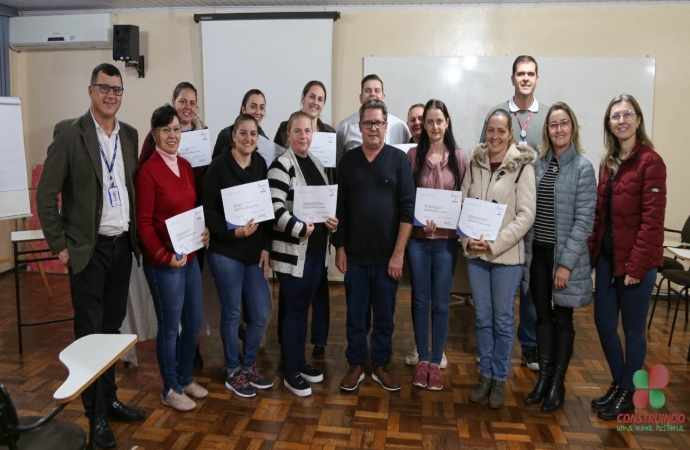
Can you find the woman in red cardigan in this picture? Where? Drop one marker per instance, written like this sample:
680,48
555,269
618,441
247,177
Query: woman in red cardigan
165,188
626,246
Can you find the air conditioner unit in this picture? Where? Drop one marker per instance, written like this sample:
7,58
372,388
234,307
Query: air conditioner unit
62,32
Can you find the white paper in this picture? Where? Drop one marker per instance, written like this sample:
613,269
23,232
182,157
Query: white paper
268,149
247,201
315,203
479,217
195,147
404,147
323,147
185,230
441,206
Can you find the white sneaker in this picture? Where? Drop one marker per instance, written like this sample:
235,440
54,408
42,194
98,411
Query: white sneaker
179,402
412,358
444,361
195,391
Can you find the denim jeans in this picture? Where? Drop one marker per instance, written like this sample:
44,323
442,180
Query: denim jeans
611,298
432,266
365,286
320,314
235,280
298,294
494,287
178,300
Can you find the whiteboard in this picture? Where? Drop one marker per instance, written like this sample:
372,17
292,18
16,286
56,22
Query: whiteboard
278,57
471,85
14,193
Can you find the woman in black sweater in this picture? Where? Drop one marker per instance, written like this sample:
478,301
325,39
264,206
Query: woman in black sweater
239,258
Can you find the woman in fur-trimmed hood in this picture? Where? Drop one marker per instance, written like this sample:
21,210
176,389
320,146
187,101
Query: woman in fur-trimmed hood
500,171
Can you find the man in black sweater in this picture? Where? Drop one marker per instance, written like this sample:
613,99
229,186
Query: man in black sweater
375,211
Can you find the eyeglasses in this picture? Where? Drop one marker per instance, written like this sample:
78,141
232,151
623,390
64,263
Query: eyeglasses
166,131
368,125
625,115
564,124
105,89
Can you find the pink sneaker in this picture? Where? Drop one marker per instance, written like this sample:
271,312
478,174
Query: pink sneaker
421,374
435,378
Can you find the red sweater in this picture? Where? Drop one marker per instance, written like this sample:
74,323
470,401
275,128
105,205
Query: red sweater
637,213
160,195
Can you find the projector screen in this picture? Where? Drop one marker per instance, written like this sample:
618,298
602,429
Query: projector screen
277,57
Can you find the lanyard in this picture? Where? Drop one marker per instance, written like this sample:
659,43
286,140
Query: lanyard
523,129
110,166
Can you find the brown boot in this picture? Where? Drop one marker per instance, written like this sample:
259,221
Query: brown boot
386,379
354,376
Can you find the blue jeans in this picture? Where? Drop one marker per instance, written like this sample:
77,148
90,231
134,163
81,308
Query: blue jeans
611,298
235,280
432,266
298,294
494,287
365,286
527,329
178,299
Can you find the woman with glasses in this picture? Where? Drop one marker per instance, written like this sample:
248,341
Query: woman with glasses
165,188
253,104
557,272
313,100
437,163
499,171
300,252
238,259
626,246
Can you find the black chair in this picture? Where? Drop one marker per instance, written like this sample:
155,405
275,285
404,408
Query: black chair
681,278
29,433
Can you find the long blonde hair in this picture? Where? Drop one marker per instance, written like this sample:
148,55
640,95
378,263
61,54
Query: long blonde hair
574,137
611,159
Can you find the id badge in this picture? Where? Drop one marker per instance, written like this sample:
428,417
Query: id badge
522,143
114,196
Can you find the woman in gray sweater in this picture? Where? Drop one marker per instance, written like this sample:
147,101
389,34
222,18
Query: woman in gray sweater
558,271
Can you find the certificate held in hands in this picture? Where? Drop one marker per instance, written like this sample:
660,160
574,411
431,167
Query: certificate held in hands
247,201
479,217
269,150
195,147
185,230
323,147
441,206
315,203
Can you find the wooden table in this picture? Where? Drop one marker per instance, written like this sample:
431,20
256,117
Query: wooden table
86,359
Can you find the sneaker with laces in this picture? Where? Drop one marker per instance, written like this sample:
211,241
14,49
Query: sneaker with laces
421,374
497,394
531,358
296,384
352,379
238,383
195,391
309,373
435,382
480,391
257,379
412,358
444,361
179,402
386,379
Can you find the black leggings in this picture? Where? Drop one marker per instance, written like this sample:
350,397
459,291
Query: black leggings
541,286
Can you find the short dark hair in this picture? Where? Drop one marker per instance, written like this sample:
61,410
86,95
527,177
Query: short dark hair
163,116
370,77
373,104
416,105
313,83
107,69
249,93
181,86
525,59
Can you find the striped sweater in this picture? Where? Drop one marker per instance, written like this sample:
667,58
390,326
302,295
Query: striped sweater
289,246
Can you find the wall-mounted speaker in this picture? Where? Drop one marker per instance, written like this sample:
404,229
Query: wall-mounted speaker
126,43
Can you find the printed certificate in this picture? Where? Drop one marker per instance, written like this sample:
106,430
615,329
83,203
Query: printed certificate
247,201
315,203
441,206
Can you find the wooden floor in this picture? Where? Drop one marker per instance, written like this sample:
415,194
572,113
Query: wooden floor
370,418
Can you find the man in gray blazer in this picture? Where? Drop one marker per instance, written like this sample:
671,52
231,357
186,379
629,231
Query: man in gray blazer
91,163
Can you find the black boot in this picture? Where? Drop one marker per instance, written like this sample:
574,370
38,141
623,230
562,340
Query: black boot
545,351
563,350
621,404
600,402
